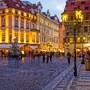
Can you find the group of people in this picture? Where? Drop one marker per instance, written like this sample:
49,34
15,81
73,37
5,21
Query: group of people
15,54
47,56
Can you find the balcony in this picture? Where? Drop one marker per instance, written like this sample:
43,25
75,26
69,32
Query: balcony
34,30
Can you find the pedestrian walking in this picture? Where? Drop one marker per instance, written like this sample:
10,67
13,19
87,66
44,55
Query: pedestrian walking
43,54
50,56
68,57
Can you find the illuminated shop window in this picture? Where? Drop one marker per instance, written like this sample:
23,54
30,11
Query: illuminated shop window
71,40
78,39
16,35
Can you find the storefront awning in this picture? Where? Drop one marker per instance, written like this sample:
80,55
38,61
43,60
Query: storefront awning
33,47
5,45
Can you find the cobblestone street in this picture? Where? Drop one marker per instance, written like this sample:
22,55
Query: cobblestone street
30,74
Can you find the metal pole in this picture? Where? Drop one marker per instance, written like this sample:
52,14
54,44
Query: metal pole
75,66
82,53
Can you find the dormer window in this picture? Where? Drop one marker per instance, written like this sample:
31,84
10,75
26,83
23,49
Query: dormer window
72,3
87,8
1,4
15,0
83,2
23,7
17,5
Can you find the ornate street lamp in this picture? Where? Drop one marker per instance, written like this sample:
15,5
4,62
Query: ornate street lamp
74,25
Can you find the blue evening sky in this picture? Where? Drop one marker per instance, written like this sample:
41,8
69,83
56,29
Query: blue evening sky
54,6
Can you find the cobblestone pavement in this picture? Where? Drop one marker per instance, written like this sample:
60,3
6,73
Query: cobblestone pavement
63,81
69,82
30,74
82,81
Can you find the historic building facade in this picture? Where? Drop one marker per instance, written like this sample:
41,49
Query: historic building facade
28,24
82,33
49,30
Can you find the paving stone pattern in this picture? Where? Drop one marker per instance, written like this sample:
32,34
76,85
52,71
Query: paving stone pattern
30,75
63,84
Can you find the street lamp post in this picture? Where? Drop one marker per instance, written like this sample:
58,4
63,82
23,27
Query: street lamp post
82,51
74,25
66,43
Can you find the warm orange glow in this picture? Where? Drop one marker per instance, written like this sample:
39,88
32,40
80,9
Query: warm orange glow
0,36
7,23
7,36
24,13
6,10
19,12
13,10
19,37
24,37
64,17
35,17
29,15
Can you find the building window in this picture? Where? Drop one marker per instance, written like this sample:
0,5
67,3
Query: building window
27,24
71,18
22,14
33,26
82,2
89,28
1,4
16,35
67,33
87,17
3,21
16,12
72,3
3,36
16,21
85,29
37,38
71,40
15,0
22,23
78,39
87,8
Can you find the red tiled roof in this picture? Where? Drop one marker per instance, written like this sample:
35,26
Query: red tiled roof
11,3
70,6
27,7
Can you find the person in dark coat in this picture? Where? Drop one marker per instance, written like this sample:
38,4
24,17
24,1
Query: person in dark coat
51,56
43,54
68,57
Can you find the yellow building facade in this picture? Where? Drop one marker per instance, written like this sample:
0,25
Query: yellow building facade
27,23
19,24
49,32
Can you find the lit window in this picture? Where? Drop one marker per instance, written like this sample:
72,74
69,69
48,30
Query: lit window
71,40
